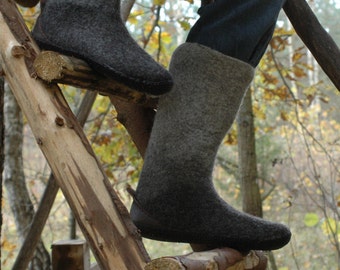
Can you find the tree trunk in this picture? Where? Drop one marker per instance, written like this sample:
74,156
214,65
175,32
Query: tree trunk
2,127
252,203
251,196
14,178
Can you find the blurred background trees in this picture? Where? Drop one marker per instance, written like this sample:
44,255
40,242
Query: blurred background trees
297,143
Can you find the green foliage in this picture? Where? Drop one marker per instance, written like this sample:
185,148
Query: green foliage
311,219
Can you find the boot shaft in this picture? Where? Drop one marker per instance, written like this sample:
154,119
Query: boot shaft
197,113
193,118
94,8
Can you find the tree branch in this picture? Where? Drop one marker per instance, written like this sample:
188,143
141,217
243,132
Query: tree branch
315,37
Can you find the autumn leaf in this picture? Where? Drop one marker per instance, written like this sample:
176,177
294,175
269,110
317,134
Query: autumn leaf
297,56
284,116
299,72
6,245
330,226
159,2
259,113
185,25
231,137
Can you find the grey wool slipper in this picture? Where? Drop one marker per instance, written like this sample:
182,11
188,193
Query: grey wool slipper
175,198
93,31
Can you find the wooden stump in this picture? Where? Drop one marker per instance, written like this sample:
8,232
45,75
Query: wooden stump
70,255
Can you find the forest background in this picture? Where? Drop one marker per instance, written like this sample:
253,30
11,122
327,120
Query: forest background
296,125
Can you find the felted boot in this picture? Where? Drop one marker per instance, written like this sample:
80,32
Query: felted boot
175,199
93,30
241,29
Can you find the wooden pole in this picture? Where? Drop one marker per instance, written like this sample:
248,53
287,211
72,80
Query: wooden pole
102,217
34,234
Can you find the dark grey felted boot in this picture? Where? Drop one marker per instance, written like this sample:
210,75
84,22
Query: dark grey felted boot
175,198
93,30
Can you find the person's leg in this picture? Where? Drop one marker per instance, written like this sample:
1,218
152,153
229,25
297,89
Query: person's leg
175,198
241,29
93,30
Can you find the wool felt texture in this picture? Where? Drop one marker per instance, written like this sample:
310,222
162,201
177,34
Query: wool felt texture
175,198
93,30
240,29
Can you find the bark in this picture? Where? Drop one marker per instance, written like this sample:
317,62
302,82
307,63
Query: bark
218,259
14,179
251,196
2,157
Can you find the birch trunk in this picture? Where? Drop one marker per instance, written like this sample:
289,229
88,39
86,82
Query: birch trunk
252,203
14,179
2,127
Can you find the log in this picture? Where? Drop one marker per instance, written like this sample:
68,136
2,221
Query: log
217,259
316,38
103,219
53,67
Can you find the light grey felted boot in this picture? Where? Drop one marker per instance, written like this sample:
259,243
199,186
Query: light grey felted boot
175,199
93,30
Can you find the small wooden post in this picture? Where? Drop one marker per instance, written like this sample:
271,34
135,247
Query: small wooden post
70,255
